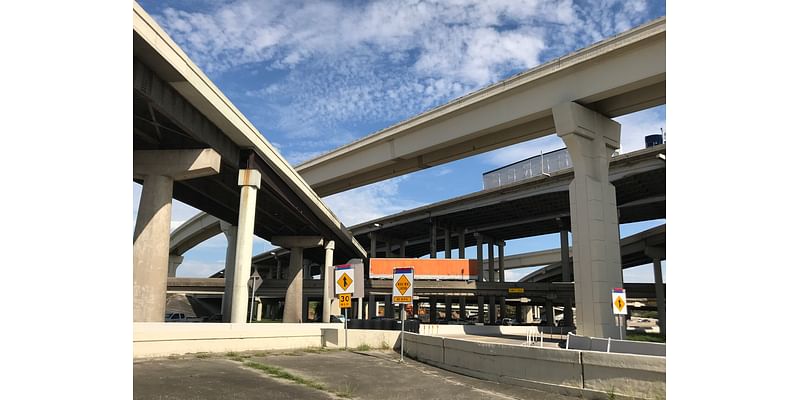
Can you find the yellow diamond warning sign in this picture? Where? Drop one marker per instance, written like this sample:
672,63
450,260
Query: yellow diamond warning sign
344,281
402,284
403,290
620,304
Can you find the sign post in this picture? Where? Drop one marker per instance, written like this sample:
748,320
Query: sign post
620,307
344,288
403,293
255,284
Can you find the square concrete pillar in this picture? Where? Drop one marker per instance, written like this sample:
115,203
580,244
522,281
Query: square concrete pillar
490,259
388,307
293,309
591,138
433,310
230,267
448,253
482,274
373,307
462,308
448,308
462,253
492,310
501,261
518,313
433,239
502,307
480,310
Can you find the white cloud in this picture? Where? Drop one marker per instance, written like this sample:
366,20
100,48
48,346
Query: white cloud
521,151
369,202
640,124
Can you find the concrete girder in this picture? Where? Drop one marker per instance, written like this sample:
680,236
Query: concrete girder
617,76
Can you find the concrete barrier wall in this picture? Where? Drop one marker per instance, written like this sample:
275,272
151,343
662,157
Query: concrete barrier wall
578,373
376,339
626,374
435,329
164,339
617,346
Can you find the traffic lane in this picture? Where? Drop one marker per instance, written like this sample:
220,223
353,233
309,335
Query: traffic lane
212,378
380,375
508,339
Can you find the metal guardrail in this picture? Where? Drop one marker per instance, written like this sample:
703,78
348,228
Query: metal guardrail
543,164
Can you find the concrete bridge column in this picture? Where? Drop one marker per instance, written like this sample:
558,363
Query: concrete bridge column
415,308
388,307
479,247
448,308
372,307
492,310
259,309
658,254
230,266
461,245
569,318
518,313
490,258
502,307
591,138
448,251
527,312
566,268
462,307
403,244
250,182
434,314
501,245
174,261
373,245
480,309
295,301
433,239
158,169
327,294
548,313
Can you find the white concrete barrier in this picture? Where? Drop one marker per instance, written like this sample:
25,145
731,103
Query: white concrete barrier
376,339
572,372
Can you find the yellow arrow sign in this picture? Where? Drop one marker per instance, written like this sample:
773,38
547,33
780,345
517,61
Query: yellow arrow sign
344,281
619,303
402,284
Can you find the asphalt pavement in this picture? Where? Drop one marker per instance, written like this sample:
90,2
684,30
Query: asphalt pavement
311,374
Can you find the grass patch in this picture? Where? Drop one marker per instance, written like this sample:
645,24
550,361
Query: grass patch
202,355
231,354
384,346
645,337
173,357
363,347
260,354
316,350
283,374
346,391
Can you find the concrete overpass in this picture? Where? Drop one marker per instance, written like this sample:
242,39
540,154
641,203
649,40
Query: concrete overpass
191,143
617,76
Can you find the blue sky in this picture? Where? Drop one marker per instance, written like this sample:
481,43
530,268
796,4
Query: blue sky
312,76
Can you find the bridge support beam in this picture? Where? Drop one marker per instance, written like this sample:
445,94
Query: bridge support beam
328,305
501,262
230,271
250,182
174,261
479,249
658,254
490,258
158,169
295,302
591,138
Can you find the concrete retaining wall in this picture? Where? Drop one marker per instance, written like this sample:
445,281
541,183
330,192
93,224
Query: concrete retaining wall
617,346
577,373
434,329
158,339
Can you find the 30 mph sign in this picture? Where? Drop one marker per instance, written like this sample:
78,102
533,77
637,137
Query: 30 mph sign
620,304
403,285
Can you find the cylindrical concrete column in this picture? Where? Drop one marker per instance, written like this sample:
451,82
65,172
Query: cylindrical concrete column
250,182
566,271
492,310
433,310
327,289
151,249
372,307
660,298
502,307
501,261
490,258
462,252
480,310
462,308
174,261
230,271
293,308
479,248
433,239
448,308
448,253
259,309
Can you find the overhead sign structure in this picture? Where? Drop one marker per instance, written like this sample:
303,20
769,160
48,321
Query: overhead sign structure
620,304
403,285
345,300
343,276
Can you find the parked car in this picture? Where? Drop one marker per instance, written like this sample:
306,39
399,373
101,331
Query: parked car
508,321
180,317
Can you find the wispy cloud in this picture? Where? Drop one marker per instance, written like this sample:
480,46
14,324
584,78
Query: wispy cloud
369,202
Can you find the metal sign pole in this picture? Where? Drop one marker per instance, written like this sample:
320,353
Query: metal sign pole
252,299
402,330
620,326
345,329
